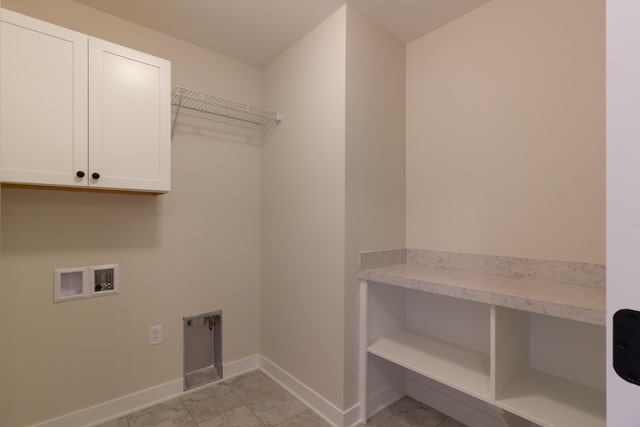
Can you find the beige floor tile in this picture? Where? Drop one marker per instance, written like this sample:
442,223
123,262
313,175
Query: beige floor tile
450,422
244,377
170,414
120,422
253,383
305,419
411,413
238,417
212,422
381,420
210,402
276,408
255,400
271,403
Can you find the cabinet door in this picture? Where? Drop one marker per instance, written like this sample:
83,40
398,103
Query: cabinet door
129,118
43,107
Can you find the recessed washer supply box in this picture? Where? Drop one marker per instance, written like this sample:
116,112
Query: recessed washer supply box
105,279
85,282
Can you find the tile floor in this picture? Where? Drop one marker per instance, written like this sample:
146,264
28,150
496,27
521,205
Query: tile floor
255,400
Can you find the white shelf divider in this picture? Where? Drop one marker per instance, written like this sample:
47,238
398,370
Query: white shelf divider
551,401
455,366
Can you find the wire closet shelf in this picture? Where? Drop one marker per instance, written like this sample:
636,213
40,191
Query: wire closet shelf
205,103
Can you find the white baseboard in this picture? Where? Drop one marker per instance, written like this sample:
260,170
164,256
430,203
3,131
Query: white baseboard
240,366
448,401
133,402
317,403
116,408
384,397
351,416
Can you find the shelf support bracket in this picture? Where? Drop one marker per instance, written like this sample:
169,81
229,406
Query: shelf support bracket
175,118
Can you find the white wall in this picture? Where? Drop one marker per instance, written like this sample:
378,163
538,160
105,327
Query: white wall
333,184
303,202
193,250
623,207
505,132
4,317
375,163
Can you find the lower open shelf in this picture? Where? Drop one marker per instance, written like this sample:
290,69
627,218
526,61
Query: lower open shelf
528,367
458,367
551,401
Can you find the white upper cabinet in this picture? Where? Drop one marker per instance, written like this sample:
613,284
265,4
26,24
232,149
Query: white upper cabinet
79,111
43,104
129,118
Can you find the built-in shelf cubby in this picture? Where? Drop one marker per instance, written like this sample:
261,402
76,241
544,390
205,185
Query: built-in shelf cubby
427,334
548,370
483,340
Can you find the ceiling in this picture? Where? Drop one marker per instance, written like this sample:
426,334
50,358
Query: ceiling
256,31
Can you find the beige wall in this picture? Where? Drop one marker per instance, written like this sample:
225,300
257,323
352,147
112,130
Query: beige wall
375,162
303,202
193,250
505,132
504,155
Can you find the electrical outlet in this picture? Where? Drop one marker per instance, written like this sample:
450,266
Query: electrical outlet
155,335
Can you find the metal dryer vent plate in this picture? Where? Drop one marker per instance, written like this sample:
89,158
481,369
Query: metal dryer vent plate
202,349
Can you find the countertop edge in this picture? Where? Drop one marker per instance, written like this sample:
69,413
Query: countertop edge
582,314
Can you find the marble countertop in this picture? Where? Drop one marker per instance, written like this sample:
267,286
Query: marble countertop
573,301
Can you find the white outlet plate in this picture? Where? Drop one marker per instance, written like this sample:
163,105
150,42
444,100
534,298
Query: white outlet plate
155,335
